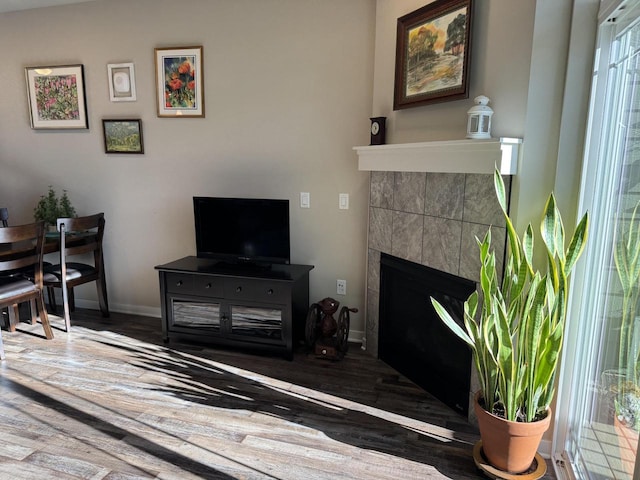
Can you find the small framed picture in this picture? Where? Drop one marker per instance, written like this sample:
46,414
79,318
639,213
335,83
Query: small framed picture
123,136
433,51
179,82
122,82
56,97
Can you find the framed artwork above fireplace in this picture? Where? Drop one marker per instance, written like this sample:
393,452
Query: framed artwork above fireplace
433,52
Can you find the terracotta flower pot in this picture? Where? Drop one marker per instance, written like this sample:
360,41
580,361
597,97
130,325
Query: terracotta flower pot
509,446
628,442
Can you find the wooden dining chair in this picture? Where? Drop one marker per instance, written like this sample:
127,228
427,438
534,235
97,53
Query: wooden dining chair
78,236
27,272
4,222
4,217
22,250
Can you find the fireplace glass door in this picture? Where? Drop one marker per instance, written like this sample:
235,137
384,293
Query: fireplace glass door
413,339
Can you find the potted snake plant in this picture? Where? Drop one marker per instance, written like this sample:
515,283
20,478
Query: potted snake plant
516,334
626,256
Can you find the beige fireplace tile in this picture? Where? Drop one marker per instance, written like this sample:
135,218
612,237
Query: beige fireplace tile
430,236
409,191
480,202
380,229
382,189
373,270
371,332
441,244
444,195
407,236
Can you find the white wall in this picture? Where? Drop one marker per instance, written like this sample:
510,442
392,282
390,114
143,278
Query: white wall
288,87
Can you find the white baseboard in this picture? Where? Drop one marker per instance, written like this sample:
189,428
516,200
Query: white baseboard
355,336
118,307
545,448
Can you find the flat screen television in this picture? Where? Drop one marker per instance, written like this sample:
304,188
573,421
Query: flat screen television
242,230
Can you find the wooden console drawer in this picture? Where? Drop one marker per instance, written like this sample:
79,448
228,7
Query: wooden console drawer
179,282
208,286
256,290
205,286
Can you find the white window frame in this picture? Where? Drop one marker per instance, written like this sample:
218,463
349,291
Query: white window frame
598,182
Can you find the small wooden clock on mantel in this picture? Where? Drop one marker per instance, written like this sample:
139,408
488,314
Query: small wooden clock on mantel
377,130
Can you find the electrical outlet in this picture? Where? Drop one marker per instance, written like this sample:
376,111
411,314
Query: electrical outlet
342,287
305,200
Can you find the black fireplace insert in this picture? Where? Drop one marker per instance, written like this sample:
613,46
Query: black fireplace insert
412,338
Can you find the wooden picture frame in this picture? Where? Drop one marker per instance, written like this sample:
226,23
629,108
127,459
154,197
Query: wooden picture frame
433,52
122,135
179,82
122,82
56,96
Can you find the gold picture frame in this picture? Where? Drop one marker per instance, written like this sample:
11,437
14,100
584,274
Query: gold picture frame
179,82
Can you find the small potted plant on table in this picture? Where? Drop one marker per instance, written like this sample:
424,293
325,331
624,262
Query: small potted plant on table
517,335
49,208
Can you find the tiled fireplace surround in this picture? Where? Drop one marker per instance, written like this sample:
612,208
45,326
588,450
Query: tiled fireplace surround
428,203
430,219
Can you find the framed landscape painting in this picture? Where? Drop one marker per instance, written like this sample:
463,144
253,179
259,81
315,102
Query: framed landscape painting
179,82
123,136
433,52
56,97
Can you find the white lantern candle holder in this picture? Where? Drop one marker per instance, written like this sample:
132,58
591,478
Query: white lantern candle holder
479,121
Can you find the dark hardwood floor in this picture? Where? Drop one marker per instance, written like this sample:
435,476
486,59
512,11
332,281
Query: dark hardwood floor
111,401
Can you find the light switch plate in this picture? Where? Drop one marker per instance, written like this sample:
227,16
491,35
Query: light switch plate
343,201
305,200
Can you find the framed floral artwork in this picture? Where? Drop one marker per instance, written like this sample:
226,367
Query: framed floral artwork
56,97
433,51
179,82
122,136
122,82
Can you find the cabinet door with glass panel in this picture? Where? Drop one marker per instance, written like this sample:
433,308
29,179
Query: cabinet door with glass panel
193,302
257,308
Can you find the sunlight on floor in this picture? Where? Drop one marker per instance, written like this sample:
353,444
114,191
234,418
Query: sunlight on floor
145,408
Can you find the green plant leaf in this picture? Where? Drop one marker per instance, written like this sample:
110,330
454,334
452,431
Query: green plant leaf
516,334
451,323
549,226
501,193
577,244
527,246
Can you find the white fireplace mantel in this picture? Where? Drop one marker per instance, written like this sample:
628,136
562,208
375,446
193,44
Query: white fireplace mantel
449,156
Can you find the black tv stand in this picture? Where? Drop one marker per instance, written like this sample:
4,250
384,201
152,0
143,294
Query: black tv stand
234,304
242,266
